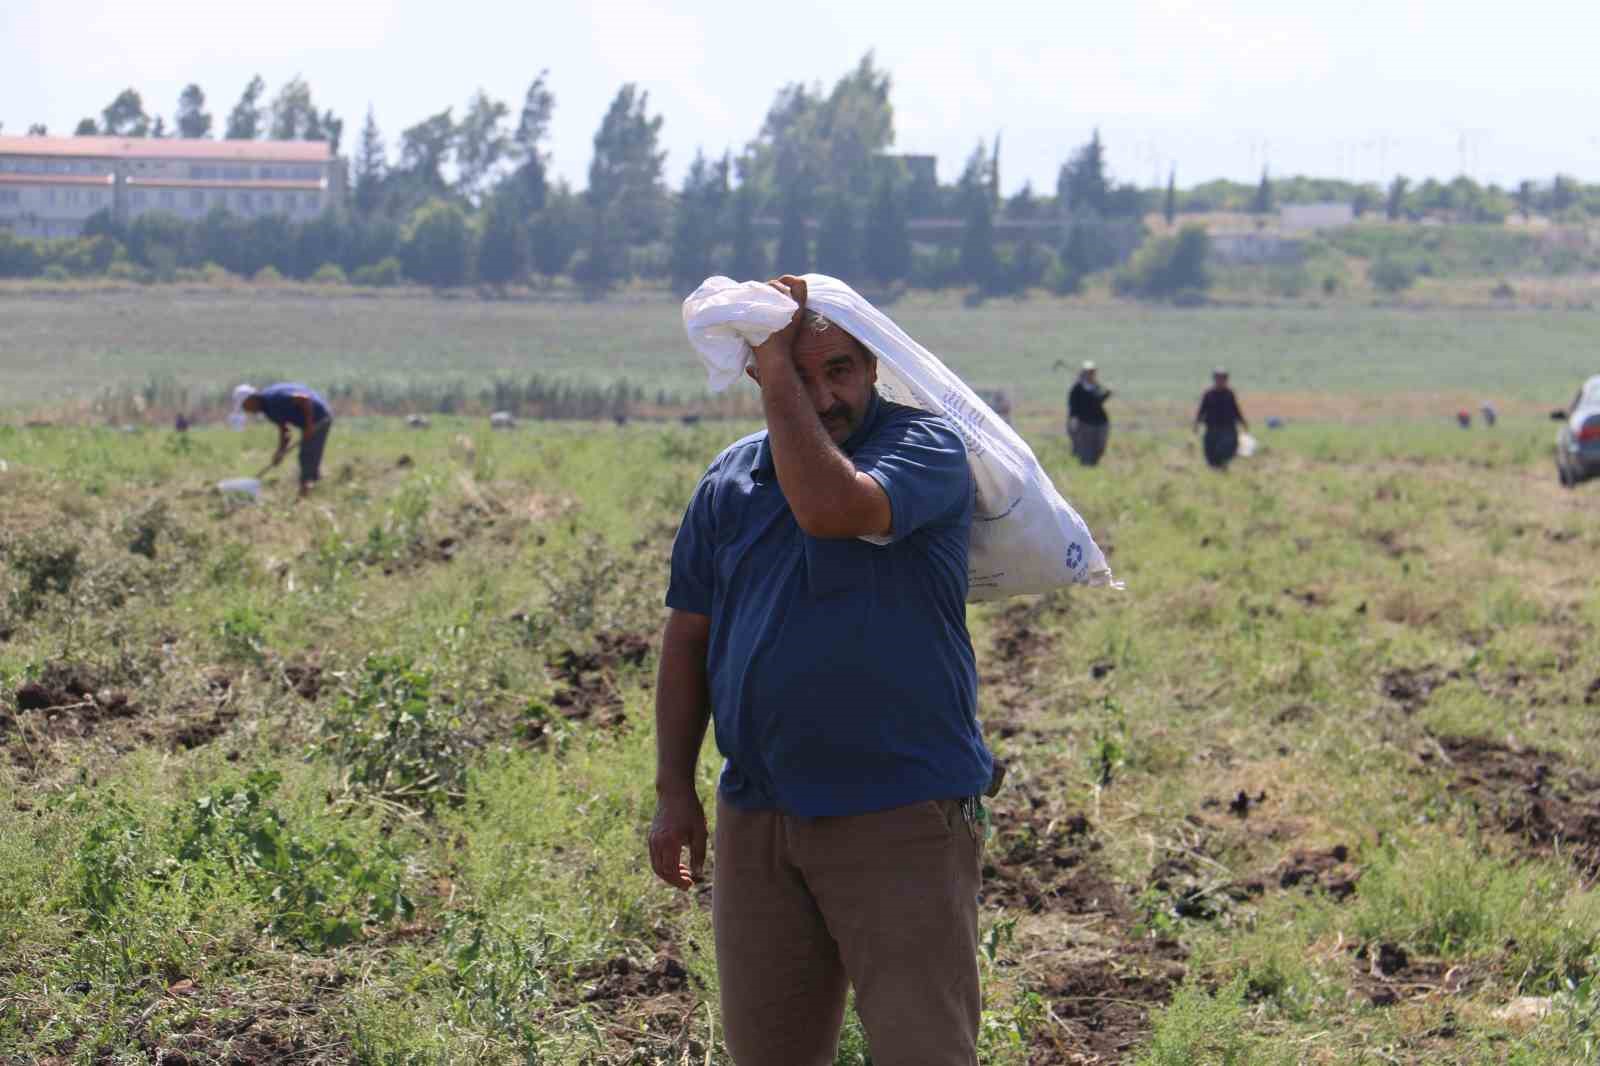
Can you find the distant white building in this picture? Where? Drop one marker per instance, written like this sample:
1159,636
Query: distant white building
1250,248
1303,218
49,186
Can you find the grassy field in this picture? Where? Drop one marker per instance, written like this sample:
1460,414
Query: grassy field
59,349
366,780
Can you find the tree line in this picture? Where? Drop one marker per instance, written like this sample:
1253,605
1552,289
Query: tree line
467,197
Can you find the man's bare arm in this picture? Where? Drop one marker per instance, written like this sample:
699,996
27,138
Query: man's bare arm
683,707
830,498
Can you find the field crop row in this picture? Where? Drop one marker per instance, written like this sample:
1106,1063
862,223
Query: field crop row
390,352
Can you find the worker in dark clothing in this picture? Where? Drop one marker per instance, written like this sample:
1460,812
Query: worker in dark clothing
291,404
1220,415
1087,424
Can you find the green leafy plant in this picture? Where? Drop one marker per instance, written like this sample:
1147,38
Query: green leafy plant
46,565
244,634
394,739
319,889
1108,753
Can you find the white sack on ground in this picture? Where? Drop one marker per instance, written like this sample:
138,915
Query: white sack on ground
1025,537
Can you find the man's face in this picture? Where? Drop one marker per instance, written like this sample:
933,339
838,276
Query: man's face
1089,375
251,404
838,375
1220,380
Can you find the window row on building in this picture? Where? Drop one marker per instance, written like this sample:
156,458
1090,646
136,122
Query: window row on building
196,171
90,198
210,172
178,201
53,166
239,201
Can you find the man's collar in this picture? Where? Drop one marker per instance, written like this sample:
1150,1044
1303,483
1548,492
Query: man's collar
762,468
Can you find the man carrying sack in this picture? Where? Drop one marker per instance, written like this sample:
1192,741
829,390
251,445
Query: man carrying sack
817,613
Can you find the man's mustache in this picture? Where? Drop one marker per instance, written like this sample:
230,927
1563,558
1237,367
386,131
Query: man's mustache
837,411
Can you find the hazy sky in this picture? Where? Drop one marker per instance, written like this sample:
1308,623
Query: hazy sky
1354,88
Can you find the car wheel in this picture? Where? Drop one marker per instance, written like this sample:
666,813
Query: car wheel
1565,477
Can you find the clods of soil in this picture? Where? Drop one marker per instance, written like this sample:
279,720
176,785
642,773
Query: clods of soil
586,684
1038,865
1385,974
621,978
67,699
1106,1004
1545,805
1410,687
304,679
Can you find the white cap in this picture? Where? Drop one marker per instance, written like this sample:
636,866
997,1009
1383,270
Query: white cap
237,417
1088,364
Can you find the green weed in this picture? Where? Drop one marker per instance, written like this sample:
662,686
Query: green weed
394,739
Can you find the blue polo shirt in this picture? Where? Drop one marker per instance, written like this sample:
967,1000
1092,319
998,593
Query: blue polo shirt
279,405
841,673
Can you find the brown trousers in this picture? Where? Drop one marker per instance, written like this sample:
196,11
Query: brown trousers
886,902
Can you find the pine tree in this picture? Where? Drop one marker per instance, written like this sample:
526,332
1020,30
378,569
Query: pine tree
1395,205
749,259
556,230
533,127
1262,204
244,121
1169,209
294,116
125,117
503,248
370,165
838,248
1082,184
794,243
481,144
1525,200
696,222
887,251
979,265
625,175
194,121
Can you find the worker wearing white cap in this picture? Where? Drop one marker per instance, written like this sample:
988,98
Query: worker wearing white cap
1087,423
290,404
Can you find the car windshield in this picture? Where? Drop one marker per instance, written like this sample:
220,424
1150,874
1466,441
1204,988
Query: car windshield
1590,397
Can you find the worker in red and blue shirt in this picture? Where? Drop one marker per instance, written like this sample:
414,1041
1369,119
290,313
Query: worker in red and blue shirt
288,404
818,618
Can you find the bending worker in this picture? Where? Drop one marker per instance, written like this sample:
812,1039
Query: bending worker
1087,424
291,404
1220,415
817,613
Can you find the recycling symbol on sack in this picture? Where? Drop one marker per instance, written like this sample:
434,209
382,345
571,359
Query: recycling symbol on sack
1074,556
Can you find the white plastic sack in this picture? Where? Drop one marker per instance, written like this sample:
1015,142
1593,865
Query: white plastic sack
1025,537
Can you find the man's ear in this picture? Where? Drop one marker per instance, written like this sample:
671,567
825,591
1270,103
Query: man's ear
750,368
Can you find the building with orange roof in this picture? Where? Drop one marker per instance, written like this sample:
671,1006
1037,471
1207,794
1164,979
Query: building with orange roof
50,186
